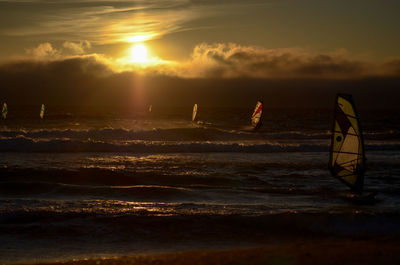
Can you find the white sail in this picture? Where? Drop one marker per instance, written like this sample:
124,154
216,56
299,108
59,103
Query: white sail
347,159
4,111
42,109
257,115
194,114
150,108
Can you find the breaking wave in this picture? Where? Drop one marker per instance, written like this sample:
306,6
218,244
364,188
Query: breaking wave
183,134
23,144
178,140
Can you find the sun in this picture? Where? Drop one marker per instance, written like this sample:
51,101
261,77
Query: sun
139,53
139,57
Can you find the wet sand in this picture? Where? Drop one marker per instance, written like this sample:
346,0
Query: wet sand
320,251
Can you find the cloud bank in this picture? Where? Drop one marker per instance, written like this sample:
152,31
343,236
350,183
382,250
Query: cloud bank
233,61
46,51
233,74
229,60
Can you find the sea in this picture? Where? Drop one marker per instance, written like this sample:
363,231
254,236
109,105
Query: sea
93,183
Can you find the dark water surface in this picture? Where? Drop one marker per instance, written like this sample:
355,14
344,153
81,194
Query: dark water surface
86,184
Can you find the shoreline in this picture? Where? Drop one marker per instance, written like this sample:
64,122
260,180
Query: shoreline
308,251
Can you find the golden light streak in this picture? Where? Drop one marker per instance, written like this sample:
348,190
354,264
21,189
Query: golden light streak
141,37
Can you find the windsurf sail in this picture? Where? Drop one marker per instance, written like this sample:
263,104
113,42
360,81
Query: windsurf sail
42,108
347,159
150,108
4,111
257,115
194,114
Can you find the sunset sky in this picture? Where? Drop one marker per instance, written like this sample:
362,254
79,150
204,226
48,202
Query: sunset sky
276,39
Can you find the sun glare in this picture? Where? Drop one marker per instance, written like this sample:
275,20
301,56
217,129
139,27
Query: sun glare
138,57
139,53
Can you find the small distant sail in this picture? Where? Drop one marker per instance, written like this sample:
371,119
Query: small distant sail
4,111
257,115
194,115
42,111
150,108
347,159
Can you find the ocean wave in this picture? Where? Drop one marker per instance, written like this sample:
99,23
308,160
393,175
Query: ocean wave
152,192
194,133
106,184
137,192
23,144
51,234
174,134
114,219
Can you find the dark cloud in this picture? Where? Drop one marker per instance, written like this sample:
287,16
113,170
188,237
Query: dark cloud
392,66
231,61
89,81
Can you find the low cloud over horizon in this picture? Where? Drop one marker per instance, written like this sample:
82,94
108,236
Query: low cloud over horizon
227,60
234,61
283,77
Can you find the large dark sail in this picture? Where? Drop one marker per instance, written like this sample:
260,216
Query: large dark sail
347,159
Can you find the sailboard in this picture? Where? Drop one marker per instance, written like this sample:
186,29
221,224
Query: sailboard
347,158
194,114
257,115
150,108
42,109
4,111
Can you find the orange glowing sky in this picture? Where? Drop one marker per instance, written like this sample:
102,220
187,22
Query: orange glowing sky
190,37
